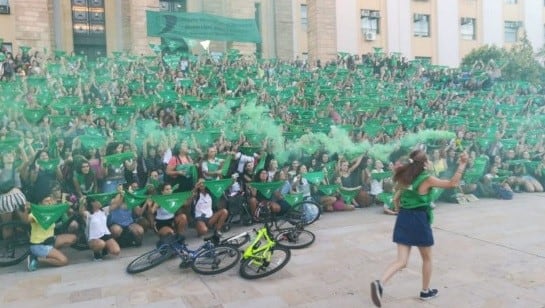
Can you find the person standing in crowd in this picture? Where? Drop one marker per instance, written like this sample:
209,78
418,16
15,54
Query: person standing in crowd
178,168
413,223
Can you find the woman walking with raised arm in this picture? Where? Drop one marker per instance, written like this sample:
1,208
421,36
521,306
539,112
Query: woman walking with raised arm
413,224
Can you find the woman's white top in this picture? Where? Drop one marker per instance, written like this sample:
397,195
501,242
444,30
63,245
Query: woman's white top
204,206
97,225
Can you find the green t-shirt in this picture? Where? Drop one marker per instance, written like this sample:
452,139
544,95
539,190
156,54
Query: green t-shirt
411,199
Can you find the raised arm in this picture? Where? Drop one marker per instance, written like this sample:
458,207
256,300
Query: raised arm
454,181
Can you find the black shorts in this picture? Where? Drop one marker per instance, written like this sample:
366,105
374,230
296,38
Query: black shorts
106,237
159,224
203,219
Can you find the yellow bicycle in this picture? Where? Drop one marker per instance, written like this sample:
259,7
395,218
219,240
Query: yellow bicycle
263,257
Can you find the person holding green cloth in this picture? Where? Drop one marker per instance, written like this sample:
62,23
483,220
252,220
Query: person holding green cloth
413,223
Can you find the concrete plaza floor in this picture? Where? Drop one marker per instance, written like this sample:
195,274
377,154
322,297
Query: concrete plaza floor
490,253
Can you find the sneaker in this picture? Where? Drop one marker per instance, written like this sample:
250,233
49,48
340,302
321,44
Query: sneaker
431,293
97,256
376,292
32,263
104,252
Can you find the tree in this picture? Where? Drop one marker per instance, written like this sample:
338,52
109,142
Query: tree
523,64
517,63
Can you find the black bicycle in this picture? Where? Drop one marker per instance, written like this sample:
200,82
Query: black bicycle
213,257
289,231
14,242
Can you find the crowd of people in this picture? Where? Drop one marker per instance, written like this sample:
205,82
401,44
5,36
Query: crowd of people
74,129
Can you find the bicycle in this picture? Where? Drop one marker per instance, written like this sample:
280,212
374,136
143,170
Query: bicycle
14,242
263,257
15,238
213,257
305,212
295,236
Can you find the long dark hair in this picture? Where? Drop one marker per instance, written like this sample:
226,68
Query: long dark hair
411,168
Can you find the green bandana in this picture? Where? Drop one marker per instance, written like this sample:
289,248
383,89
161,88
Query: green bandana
46,215
218,187
171,203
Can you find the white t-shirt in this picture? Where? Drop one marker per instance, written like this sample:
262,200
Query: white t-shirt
163,214
242,161
376,185
97,225
204,206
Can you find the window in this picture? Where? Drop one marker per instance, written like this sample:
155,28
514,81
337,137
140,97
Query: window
510,1
6,47
4,7
173,5
304,16
511,29
421,25
467,28
370,21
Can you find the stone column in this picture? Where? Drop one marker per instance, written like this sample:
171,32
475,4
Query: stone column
322,34
34,24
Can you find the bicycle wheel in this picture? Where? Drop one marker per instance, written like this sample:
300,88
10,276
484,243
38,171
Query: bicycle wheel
236,241
294,238
253,268
216,260
14,242
150,259
305,212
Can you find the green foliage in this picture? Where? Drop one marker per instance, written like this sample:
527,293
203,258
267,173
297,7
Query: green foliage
485,54
517,63
522,63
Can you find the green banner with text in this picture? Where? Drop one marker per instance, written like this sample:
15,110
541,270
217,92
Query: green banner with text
201,26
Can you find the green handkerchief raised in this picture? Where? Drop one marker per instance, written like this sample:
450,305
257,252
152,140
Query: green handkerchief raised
46,215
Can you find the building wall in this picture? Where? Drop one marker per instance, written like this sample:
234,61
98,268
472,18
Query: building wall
492,22
448,24
470,9
28,27
398,27
348,25
322,32
534,25
333,26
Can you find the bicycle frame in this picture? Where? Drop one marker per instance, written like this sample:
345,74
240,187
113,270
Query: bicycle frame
258,251
183,251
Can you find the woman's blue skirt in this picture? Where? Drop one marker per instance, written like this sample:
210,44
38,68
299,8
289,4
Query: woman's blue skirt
412,228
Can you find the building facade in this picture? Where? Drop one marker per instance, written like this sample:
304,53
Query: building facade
443,31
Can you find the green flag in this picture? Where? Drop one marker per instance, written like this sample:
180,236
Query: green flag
46,215
133,200
268,188
386,198
293,199
348,194
118,159
314,177
92,141
201,26
171,203
328,190
381,175
226,165
103,198
217,187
